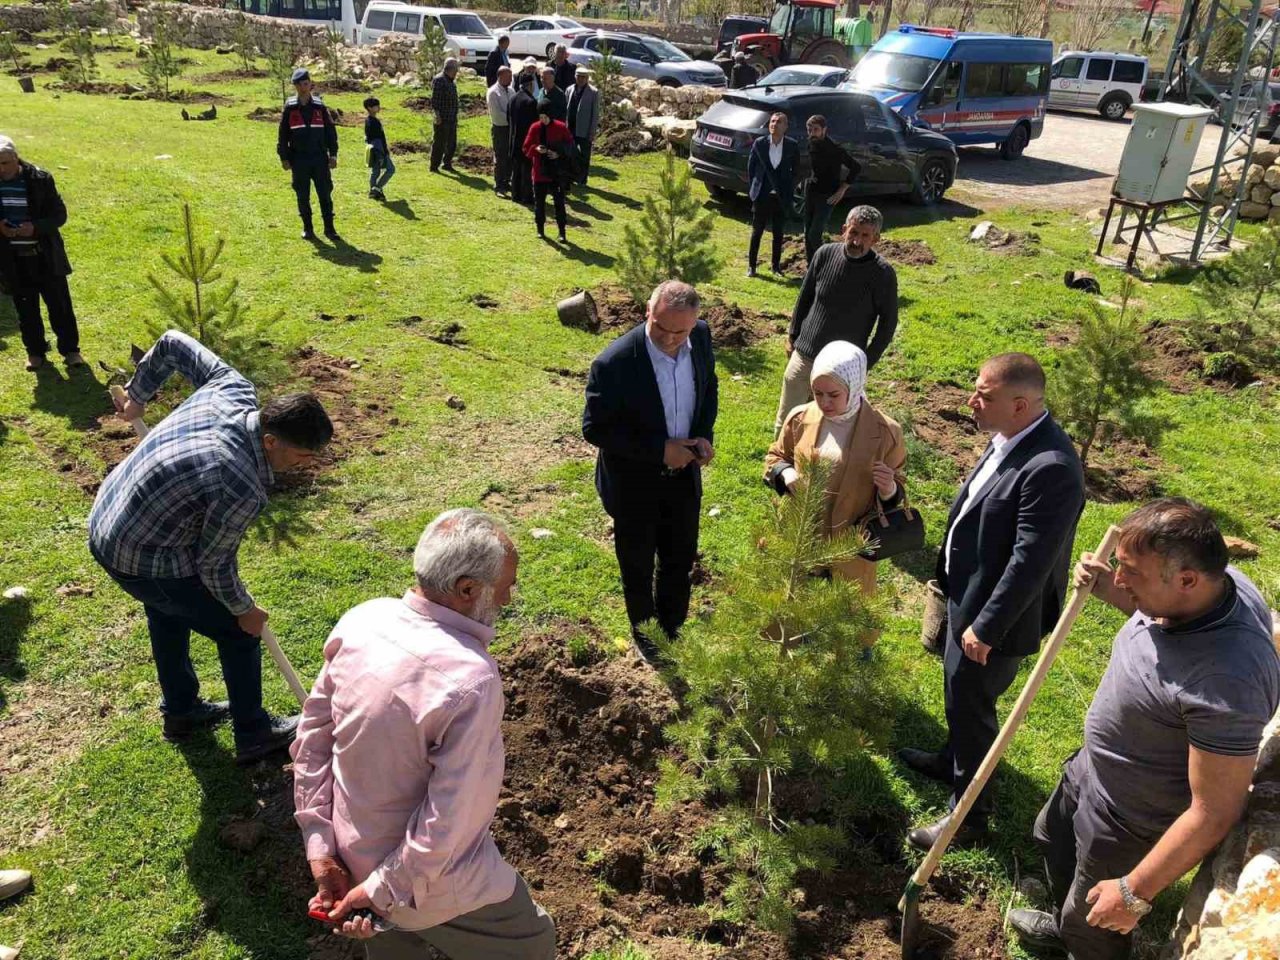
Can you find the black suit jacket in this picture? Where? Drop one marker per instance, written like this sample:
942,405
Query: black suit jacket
764,177
1011,551
624,418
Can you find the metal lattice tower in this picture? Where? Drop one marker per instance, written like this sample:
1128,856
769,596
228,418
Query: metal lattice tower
1236,107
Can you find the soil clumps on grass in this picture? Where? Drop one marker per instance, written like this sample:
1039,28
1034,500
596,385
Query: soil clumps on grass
623,141
732,326
474,158
131,91
469,105
340,118
906,253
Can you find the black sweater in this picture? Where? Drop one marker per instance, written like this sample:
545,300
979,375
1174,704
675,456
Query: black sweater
846,299
826,158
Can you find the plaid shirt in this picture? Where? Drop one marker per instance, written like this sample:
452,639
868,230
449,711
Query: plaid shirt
444,99
179,505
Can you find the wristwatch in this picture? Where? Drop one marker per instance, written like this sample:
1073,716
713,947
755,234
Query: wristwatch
1132,902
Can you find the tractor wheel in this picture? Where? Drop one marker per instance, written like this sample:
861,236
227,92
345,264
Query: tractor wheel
826,53
761,64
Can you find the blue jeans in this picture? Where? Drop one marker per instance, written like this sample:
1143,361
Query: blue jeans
174,608
383,169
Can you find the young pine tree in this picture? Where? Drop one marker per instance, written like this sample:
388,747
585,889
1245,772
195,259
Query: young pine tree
243,42
672,240
281,58
1239,313
61,20
210,311
9,50
82,68
606,72
335,66
1099,381
431,52
160,66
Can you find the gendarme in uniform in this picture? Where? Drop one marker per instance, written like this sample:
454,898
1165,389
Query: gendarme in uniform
307,143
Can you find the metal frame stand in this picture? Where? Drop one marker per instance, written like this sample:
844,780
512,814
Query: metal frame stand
1143,228
1236,108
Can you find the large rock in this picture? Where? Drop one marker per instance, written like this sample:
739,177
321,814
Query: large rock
1254,174
1266,156
1261,194
1254,211
1271,177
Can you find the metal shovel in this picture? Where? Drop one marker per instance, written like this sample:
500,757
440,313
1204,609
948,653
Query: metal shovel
910,902
268,637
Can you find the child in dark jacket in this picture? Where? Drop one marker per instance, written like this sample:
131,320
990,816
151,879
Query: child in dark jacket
381,167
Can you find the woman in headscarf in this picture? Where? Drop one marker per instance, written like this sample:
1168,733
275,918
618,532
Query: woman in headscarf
862,445
522,113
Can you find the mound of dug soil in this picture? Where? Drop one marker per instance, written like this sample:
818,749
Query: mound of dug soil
909,253
732,326
1013,242
623,141
469,105
474,158
131,91
340,117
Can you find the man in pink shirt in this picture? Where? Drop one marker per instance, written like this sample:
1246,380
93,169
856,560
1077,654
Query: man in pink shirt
399,760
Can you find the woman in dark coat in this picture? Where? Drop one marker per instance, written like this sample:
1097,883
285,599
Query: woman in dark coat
549,147
522,114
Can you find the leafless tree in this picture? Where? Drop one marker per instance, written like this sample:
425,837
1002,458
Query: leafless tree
927,10
1092,22
1017,17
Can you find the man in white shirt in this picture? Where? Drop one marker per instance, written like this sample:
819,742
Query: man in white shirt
1003,567
498,99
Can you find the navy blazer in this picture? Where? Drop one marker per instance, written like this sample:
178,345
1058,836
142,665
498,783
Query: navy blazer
625,421
1011,551
764,177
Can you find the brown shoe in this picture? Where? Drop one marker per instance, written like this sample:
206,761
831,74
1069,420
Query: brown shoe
34,362
75,360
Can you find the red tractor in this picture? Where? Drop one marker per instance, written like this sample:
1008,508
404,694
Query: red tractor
800,31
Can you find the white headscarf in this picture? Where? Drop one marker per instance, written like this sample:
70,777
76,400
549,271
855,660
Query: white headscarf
843,361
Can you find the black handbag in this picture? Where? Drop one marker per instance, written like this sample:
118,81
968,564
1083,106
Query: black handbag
891,532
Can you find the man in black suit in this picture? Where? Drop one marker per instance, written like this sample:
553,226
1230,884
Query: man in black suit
771,172
651,411
1003,567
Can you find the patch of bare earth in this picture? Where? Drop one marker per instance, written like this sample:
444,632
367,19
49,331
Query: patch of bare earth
469,105
134,92
622,140
732,326
907,253
340,117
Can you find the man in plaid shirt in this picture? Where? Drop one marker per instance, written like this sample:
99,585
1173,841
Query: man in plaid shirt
168,521
444,109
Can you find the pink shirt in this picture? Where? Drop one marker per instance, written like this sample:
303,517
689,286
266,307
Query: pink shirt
399,760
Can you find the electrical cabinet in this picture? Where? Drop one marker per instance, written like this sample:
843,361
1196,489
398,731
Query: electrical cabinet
1160,151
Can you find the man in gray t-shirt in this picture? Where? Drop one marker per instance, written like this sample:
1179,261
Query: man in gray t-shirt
1171,737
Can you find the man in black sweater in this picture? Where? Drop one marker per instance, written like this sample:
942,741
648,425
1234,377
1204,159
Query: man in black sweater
850,293
833,171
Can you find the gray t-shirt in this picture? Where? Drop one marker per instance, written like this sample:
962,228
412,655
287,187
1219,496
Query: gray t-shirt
1213,686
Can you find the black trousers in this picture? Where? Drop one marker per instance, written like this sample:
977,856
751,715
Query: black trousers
817,212
1084,845
767,211
970,692
305,173
33,283
521,177
444,143
501,139
540,191
664,527
584,157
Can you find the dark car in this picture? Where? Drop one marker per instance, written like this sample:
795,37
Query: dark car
734,26
896,157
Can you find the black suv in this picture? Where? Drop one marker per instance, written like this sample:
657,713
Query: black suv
896,157
734,26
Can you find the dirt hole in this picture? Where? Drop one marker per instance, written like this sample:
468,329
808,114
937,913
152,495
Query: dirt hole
732,326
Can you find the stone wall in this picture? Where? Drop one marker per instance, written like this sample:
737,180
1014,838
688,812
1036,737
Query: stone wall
682,34
648,99
207,27
1232,910
36,17
1261,199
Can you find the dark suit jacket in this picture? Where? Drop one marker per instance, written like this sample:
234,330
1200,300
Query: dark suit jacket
624,418
497,58
1011,552
764,178
48,213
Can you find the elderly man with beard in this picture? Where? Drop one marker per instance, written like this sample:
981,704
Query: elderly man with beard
399,762
849,293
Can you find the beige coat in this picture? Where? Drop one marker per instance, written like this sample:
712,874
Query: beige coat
852,489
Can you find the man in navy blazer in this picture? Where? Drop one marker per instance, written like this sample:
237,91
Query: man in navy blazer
1003,567
651,412
771,171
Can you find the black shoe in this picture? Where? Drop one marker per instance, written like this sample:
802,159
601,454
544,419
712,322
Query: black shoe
448,166
275,736
332,234
308,233
776,269
563,238
646,648
922,838
179,726
1037,931
751,273
542,235
932,765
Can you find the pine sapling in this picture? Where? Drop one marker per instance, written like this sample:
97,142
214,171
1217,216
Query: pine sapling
82,68
9,50
1239,311
243,42
161,65
209,310
281,58
1100,381
335,64
672,240
431,53
607,72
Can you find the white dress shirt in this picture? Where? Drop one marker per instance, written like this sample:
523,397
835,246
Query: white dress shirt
675,383
498,99
1001,447
775,152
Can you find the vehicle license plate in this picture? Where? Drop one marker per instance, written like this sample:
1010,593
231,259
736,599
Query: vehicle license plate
719,139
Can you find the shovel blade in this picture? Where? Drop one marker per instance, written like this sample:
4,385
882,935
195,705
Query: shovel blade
910,906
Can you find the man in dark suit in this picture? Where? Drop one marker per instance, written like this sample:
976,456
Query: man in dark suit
497,59
651,411
1003,567
771,171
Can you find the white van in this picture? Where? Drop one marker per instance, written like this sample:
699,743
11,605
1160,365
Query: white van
465,34
1107,82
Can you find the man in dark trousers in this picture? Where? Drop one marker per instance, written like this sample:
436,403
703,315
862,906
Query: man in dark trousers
522,114
742,74
444,112
771,171
1170,740
833,171
33,261
497,59
1003,567
308,146
652,397
168,522
583,119
850,293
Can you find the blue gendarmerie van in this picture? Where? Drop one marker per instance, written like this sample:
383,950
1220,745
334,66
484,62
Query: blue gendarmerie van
973,88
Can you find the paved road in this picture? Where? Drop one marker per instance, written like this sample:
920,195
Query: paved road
1070,165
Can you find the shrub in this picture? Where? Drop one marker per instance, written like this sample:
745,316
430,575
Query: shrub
672,240
213,313
1227,367
1099,380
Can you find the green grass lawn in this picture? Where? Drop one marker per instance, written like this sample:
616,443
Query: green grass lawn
117,826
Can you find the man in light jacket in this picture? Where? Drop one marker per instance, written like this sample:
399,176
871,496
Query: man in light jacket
498,99
399,762
584,118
